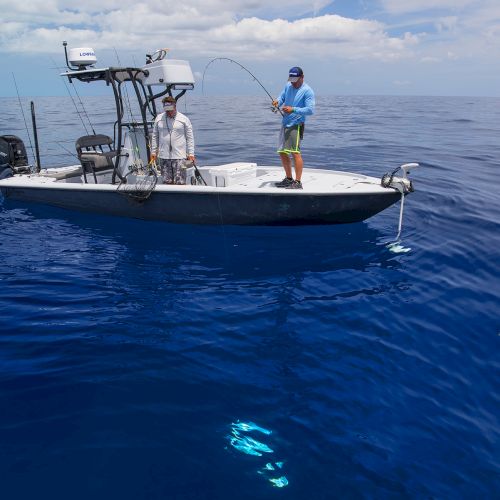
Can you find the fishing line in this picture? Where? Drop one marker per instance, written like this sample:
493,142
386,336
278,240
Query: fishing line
76,108
135,147
24,118
81,104
243,68
129,106
67,150
83,107
72,100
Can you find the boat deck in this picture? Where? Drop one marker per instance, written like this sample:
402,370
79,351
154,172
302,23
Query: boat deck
313,181
261,179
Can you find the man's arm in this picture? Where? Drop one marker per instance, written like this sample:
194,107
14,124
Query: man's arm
189,138
154,141
309,104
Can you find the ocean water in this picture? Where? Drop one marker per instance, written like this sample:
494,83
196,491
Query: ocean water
143,360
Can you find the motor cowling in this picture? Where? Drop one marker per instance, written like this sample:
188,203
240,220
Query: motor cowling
13,157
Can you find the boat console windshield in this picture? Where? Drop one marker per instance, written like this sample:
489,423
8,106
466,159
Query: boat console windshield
158,77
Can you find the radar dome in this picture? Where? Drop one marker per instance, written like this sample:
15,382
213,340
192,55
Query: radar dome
82,56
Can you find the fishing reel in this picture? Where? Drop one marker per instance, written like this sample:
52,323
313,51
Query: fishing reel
276,109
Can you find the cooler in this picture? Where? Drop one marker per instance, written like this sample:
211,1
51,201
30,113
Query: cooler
232,173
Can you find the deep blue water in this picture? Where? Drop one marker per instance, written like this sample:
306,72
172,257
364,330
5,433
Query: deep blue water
147,360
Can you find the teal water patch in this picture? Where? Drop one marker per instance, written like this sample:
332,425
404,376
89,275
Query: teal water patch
280,482
396,247
248,445
250,426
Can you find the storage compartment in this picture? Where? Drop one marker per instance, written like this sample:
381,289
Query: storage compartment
62,173
232,173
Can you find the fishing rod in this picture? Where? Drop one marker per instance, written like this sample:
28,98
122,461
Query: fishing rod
72,99
35,137
128,106
198,174
78,112
243,68
83,107
24,118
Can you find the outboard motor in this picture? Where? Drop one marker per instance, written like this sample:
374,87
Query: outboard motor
13,157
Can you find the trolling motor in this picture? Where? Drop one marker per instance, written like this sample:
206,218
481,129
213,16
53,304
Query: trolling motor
13,157
402,184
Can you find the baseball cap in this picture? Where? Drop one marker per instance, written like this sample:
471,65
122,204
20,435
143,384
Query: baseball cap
295,73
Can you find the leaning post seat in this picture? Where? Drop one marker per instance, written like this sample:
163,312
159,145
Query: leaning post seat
92,156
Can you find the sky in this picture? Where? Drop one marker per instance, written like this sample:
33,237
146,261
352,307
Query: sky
345,47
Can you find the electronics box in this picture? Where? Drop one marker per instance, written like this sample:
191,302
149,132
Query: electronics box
169,72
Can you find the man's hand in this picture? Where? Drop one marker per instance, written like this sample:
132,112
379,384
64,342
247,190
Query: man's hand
275,103
287,109
191,158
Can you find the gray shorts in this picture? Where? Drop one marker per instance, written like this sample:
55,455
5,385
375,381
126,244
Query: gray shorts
290,137
172,171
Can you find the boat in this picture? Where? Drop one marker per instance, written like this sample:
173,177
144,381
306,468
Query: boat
114,176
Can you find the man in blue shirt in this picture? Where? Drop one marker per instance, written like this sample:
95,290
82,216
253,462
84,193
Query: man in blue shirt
296,102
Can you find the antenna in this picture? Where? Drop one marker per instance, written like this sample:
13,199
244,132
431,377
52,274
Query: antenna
65,44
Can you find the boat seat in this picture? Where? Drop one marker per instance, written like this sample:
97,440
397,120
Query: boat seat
93,156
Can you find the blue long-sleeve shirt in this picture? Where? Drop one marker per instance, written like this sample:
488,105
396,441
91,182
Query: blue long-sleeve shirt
302,100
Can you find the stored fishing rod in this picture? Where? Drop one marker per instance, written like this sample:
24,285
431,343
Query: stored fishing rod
35,136
24,118
243,68
78,112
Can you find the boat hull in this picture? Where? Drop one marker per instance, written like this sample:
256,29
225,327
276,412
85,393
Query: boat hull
197,206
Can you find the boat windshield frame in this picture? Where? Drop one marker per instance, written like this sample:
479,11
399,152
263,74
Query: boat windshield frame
115,77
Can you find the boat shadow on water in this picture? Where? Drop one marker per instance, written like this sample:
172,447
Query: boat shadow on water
230,251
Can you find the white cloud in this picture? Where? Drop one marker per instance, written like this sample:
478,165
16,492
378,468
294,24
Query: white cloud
407,6
256,30
321,36
430,59
198,28
446,24
462,29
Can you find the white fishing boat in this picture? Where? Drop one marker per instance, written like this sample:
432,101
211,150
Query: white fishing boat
114,176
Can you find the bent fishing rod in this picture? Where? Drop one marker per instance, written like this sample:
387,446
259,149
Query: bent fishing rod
243,68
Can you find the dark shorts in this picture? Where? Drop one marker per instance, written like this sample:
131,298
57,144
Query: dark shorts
290,137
